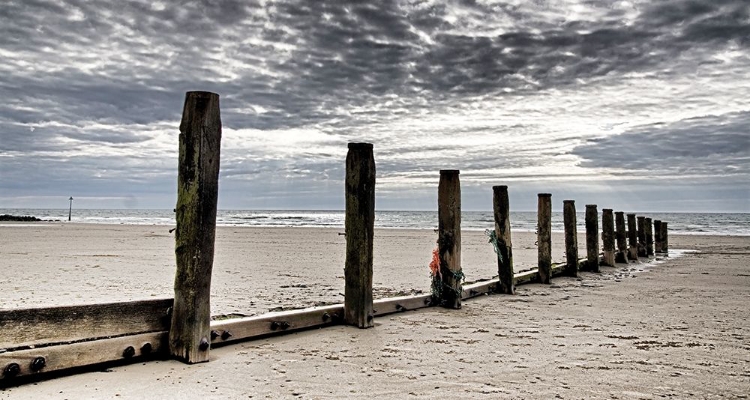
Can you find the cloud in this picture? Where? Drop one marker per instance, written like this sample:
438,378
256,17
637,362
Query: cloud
503,90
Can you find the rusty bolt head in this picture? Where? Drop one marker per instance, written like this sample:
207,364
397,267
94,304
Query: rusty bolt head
214,334
326,317
146,348
369,317
274,325
284,325
37,364
203,346
11,370
128,352
226,335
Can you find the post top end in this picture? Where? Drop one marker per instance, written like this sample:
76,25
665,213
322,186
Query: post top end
360,145
569,201
641,217
631,215
545,194
200,93
500,187
590,205
607,210
449,172
619,212
648,219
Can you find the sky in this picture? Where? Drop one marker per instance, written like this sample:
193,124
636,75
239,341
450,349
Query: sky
632,105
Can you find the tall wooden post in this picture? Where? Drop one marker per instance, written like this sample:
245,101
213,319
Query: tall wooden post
544,237
449,238
657,236
501,208
359,228
632,238
592,238
664,237
571,238
608,236
195,214
641,236
649,237
622,247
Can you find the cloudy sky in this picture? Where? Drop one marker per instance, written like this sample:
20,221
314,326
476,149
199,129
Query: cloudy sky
634,105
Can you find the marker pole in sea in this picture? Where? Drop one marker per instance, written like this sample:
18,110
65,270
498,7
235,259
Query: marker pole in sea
70,210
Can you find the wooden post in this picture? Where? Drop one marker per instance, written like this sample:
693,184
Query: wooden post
449,238
664,238
657,236
359,228
70,210
632,238
592,238
571,238
608,236
501,207
195,214
622,247
641,236
649,237
544,237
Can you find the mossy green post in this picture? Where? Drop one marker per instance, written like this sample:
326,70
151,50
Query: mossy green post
359,227
449,238
544,236
197,195
501,208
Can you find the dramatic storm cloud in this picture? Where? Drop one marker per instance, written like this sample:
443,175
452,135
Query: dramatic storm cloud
643,105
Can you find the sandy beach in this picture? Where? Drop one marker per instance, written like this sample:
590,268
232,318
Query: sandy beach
676,327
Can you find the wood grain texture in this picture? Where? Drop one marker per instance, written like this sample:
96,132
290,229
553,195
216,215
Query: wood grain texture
632,238
359,226
592,238
501,210
622,245
197,195
641,236
544,237
657,236
648,225
449,237
39,326
608,237
81,354
571,238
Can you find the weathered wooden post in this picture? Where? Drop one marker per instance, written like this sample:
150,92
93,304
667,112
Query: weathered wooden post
449,238
195,214
359,228
70,210
641,236
544,237
571,238
657,236
632,238
608,236
501,208
592,238
622,247
664,237
649,237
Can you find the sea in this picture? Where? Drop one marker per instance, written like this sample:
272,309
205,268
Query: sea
732,224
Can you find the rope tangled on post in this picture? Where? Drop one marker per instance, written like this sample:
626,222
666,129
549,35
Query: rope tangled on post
436,274
493,239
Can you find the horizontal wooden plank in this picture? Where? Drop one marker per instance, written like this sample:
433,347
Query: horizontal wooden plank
23,328
60,357
392,305
479,288
230,330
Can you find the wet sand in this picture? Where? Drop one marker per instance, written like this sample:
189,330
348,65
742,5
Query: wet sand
676,328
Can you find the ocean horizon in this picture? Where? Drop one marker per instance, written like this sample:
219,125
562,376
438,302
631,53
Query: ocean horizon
732,224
